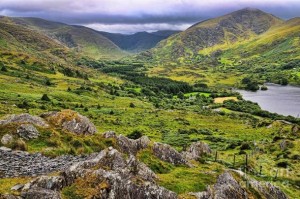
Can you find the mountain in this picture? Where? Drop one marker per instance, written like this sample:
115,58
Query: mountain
82,39
220,32
139,41
219,51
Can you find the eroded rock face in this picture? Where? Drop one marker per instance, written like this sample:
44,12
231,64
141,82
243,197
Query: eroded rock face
24,119
166,153
7,139
119,177
226,187
27,132
39,193
127,145
196,151
71,121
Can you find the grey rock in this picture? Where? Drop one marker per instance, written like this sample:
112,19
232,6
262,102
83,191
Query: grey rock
71,121
131,146
166,153
126,145
7,139
6,196
28,132
111,167
226,187
196,151
24,119
17,187
295,129
39,193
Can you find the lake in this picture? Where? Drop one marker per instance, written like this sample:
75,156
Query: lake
284,100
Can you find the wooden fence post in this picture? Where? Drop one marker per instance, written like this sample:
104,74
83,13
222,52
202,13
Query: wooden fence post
216,156
246,163
233,160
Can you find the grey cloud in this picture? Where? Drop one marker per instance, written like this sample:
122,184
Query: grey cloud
140,12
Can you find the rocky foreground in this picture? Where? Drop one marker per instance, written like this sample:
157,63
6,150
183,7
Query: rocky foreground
113,172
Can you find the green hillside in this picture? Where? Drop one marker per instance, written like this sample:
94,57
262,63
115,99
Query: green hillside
81,39
139,41
48,66
222,51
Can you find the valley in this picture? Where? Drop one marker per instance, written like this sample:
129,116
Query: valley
164,121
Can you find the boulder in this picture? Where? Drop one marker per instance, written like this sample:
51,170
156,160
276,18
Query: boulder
27,132
24,119
39,193
119,178
7,139
196,151
166,153
226,187
71,121
126,145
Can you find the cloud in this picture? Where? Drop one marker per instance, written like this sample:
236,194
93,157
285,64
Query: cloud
133,28
140,13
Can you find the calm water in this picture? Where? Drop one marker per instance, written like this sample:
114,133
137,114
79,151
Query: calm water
284,100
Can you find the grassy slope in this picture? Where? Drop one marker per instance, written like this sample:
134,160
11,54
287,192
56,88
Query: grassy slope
235,57
26,82
82,39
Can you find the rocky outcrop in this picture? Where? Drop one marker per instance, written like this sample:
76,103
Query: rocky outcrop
27,132
19,163
71,121
196,151
129,146
7,139
119,177
167,153
264,189
228,187
24,119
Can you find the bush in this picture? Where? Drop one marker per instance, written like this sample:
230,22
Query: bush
132,105
245,146
4,69
45,98
283,164
136,134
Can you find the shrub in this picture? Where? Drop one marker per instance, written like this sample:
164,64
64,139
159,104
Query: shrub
245,146
45,98
136,134
283,164
4,69
132,105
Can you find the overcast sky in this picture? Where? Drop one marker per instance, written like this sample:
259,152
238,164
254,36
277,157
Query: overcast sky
128,16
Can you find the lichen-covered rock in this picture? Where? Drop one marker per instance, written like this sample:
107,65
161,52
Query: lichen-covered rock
39,193
6,196
196,151
126,145
264,189
71,121
7,139
226,187
116,176
24,119
166,153
28,132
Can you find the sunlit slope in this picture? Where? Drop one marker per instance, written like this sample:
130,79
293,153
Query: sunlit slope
219,33
83,40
